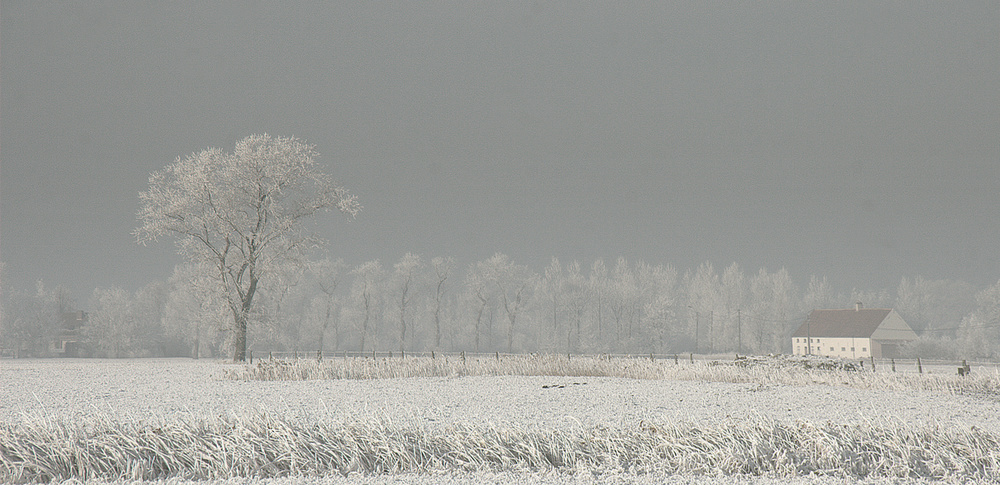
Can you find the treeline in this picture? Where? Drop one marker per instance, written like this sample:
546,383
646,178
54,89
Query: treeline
417,304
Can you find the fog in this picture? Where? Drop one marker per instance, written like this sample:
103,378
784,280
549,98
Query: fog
854,141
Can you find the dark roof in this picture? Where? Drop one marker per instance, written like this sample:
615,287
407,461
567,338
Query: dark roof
842,323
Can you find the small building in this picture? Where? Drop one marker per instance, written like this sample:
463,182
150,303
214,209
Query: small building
67,340
852,333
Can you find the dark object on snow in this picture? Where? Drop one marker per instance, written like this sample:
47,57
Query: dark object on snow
562,386
964,370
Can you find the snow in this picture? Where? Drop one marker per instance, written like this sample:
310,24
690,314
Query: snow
158,388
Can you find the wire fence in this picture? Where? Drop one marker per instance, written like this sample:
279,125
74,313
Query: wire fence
381,354
904,365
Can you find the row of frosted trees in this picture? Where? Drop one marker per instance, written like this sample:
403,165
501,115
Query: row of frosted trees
496,304
418,305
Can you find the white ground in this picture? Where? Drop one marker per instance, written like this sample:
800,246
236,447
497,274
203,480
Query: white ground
153,389
142,389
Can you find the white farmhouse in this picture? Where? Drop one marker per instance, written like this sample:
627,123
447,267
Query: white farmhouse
852,333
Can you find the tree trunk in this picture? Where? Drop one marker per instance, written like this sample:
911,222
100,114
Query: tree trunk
437,319
510,334
240,344
479,319
240,351
322,332
402,324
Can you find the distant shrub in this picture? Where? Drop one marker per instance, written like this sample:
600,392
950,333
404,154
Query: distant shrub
793,362
931,348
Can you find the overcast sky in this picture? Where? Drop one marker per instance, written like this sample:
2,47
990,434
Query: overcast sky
853,140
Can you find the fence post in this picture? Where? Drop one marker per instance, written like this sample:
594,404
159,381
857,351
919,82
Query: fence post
463,356
872,357
373,354
920,368
498,356
893,360
675,359
691,355
251,356
432,355
964,370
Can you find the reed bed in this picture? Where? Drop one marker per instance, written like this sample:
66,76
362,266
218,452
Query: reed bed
774,370
263,445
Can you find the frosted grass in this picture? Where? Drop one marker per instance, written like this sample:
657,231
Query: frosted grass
776,370
265,445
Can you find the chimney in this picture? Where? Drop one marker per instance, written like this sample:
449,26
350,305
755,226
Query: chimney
857,306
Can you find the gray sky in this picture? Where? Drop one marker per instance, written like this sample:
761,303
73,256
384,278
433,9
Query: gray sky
853,140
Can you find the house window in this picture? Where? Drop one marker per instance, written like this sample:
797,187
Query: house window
831,349
864,349
843,349
852,349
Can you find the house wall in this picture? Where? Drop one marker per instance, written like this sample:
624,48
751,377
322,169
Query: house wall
847,348
894,328
891,335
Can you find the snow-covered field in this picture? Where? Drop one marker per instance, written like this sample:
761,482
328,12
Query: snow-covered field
158,391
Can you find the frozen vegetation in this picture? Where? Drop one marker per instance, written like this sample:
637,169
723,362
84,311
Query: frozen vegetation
538,420
770,370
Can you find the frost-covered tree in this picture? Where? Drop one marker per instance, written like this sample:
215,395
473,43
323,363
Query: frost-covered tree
31,320
818,294
659,294
442,268
195,311
3,303
404,276
366,293
597,285
772,316
576,300
327,274
933,304
481,294
552,286
623,295
112,327
703,297
733,294
979,333
512,282
241,212
149,307
281,309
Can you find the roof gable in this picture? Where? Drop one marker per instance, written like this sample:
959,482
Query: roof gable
857,323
